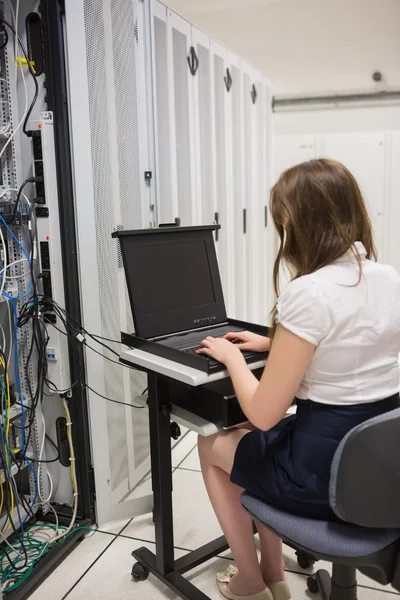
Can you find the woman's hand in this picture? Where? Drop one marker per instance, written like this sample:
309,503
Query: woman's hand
220,349
248,341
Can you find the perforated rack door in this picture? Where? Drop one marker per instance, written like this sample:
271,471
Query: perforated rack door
109,130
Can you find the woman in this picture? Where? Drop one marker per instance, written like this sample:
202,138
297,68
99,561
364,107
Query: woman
336,340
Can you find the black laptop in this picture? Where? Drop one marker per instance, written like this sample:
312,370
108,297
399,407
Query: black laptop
176,294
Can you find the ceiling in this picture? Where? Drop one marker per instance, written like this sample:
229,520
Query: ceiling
202,7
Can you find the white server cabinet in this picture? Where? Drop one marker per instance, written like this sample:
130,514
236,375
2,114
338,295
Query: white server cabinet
254,131
174,116
213,159
224,210
111,153
268,295
204,121
241,225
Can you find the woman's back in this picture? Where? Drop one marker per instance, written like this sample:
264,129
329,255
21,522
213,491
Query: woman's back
355,325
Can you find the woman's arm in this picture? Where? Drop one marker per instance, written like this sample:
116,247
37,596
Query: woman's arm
265,403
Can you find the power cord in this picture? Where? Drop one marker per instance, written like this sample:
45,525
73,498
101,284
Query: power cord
19,194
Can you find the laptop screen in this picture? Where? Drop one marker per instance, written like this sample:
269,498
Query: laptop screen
173,280
167,276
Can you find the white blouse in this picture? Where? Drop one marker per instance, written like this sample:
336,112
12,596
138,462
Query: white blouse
355,328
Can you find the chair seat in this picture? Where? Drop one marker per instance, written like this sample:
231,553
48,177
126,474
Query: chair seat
320,538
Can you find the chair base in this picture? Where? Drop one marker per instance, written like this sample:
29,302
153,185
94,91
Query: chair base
341,586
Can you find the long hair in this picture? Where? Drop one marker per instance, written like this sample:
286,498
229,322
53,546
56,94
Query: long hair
319,213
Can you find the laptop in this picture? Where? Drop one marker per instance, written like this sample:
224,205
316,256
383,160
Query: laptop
176,293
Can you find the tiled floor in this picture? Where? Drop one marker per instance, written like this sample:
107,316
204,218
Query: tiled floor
100,567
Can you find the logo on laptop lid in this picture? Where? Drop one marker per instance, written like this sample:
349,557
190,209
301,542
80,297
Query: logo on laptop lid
204,321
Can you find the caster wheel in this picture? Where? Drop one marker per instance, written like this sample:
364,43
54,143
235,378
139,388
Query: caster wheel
175,431
139,572
312,585
304,561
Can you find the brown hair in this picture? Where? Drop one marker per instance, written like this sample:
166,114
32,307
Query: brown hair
319,212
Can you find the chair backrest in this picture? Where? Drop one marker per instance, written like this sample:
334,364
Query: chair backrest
365,474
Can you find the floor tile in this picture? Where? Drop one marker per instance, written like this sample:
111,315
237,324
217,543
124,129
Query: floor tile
192,462
195,523
110,578
115,526
183,448
62,578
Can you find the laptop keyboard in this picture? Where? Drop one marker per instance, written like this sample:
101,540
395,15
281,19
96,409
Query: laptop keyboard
191,350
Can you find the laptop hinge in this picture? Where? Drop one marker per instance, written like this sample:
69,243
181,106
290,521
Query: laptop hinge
183,332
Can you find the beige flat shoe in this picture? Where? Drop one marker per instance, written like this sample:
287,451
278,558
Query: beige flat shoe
223,580
280,591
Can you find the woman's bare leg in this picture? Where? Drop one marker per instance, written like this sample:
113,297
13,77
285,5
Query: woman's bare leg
272,565
216,457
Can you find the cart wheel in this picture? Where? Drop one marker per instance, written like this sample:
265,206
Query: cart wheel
312,585
304,561
139,572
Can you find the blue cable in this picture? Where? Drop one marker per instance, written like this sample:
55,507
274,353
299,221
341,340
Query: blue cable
16,240
18,383
17,379
16,369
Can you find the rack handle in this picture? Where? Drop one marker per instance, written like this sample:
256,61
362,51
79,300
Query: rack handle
216,222
193,61
228,80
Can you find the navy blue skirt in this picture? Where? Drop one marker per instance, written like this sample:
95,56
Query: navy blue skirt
289,465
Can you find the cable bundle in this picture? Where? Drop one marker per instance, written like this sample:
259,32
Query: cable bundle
35,547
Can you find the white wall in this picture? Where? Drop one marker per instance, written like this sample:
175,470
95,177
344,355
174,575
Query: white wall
376,118
308,46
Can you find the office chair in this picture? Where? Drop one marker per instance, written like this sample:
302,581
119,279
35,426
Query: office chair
365,495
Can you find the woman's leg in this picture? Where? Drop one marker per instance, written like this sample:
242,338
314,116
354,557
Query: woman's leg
216,457
272,565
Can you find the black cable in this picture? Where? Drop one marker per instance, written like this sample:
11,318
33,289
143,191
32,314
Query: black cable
31,71
19,194
74,336
100,337
72,331
52,442
52,460
79,328
111,399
